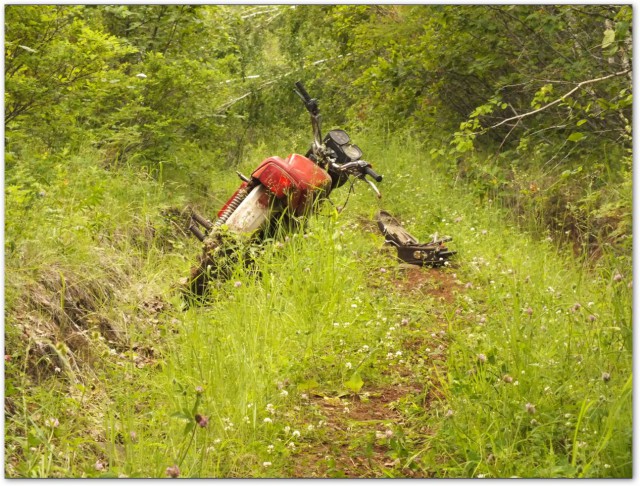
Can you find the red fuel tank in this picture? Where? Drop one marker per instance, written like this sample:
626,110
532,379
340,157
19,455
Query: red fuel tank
296,177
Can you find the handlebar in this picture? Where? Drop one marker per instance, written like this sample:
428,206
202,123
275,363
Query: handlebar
361,166
369,171
302,91
311,104
318,148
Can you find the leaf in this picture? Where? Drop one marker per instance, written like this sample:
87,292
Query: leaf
622,30
576,137
609,46
355,383
581,122
28,49
609,38
308,385
181,415
189,427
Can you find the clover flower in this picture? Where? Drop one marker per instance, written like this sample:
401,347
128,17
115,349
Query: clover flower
52,422
202,420
173,471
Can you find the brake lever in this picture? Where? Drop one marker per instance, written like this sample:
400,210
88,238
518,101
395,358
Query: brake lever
373,186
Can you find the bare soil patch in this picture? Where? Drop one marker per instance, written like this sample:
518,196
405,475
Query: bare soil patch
433,281
367,417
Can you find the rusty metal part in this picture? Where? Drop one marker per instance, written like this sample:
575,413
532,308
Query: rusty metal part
434,253
198,234
243,177
199,219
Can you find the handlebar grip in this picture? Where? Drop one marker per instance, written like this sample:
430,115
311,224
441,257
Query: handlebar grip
369,171
303,91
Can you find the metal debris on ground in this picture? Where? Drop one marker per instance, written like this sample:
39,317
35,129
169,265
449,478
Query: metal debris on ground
434,253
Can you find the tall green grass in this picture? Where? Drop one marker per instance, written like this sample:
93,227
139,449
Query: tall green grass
533,385
534,325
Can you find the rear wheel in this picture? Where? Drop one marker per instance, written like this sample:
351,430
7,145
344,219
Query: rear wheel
225,247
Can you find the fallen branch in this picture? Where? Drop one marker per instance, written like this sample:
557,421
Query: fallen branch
232,102
555,102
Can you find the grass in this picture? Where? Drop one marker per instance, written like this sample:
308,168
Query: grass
516,361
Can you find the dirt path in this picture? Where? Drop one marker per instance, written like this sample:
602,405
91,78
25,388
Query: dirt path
362,434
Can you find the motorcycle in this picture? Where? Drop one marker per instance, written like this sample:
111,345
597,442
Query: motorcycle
278,192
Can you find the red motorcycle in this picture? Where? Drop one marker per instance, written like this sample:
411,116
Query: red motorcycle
278,191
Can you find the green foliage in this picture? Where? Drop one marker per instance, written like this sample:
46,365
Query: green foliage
117,116
140,80
51,55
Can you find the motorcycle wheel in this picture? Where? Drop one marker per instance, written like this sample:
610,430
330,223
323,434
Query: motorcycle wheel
225,246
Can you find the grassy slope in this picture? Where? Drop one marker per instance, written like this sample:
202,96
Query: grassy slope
90,276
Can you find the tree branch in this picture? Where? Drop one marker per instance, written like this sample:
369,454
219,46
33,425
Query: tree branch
555,102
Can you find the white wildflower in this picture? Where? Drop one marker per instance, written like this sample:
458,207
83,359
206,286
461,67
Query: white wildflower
52,422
